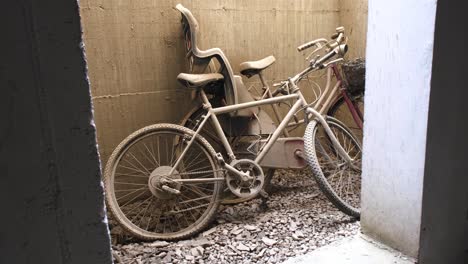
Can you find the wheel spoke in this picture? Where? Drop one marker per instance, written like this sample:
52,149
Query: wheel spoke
158,215
159,152
132,168
141,189
149,157
152,153
136,207
132,183
143,166
167,150
193,160
196,199
131,175
191,208
127,190
174,152
132,199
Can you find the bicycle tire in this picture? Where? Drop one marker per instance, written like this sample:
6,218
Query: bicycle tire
310,140
115,208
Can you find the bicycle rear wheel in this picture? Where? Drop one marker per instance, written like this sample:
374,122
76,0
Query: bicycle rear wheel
339,181
340,111
137,176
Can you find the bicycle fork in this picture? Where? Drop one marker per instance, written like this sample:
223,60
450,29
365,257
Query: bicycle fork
311,111
341,151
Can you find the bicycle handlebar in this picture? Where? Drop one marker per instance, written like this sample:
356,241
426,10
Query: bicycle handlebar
336,46
340,49
310,44
340,38
339,35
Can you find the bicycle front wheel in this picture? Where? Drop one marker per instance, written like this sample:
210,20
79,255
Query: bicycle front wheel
150,201
339,180
341,111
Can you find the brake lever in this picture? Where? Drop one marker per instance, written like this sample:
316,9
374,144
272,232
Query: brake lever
279,84
283,88
319,47
325,65
312,61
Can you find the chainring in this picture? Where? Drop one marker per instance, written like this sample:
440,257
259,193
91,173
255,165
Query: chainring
246,188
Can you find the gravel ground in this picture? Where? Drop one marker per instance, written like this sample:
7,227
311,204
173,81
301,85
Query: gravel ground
297,219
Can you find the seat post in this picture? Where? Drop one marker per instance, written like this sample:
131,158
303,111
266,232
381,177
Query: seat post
262,79
206,102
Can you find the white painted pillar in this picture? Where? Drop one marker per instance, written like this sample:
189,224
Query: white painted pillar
399,61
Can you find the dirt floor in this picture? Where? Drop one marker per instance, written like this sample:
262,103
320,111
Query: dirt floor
297,220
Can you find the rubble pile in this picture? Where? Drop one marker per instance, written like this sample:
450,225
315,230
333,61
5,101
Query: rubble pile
297,219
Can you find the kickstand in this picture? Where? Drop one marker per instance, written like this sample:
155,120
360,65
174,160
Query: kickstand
264,198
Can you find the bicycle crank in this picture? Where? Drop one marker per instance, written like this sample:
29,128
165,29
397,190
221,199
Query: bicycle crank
248,181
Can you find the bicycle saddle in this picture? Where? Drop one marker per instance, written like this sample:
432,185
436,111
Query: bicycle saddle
199,80
251,68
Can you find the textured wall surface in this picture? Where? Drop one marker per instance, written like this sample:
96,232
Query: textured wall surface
398,79
135,51
353,16
53,207
444,234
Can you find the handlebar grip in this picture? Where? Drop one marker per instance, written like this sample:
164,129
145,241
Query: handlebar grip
339,38
306,46
334,36
312,43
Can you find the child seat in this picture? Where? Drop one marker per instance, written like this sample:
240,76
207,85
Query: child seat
233,90
199,60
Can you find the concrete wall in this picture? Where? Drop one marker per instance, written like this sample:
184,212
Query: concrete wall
399,62
353,16
135,50
444,234
52,198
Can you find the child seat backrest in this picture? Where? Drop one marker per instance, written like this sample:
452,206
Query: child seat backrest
199,60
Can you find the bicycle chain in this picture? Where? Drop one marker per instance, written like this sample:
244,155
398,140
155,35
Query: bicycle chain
194,173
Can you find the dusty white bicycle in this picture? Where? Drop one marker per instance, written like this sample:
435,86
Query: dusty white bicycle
165,181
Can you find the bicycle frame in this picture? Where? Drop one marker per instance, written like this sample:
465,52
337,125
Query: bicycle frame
355,112
334,93
300,103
